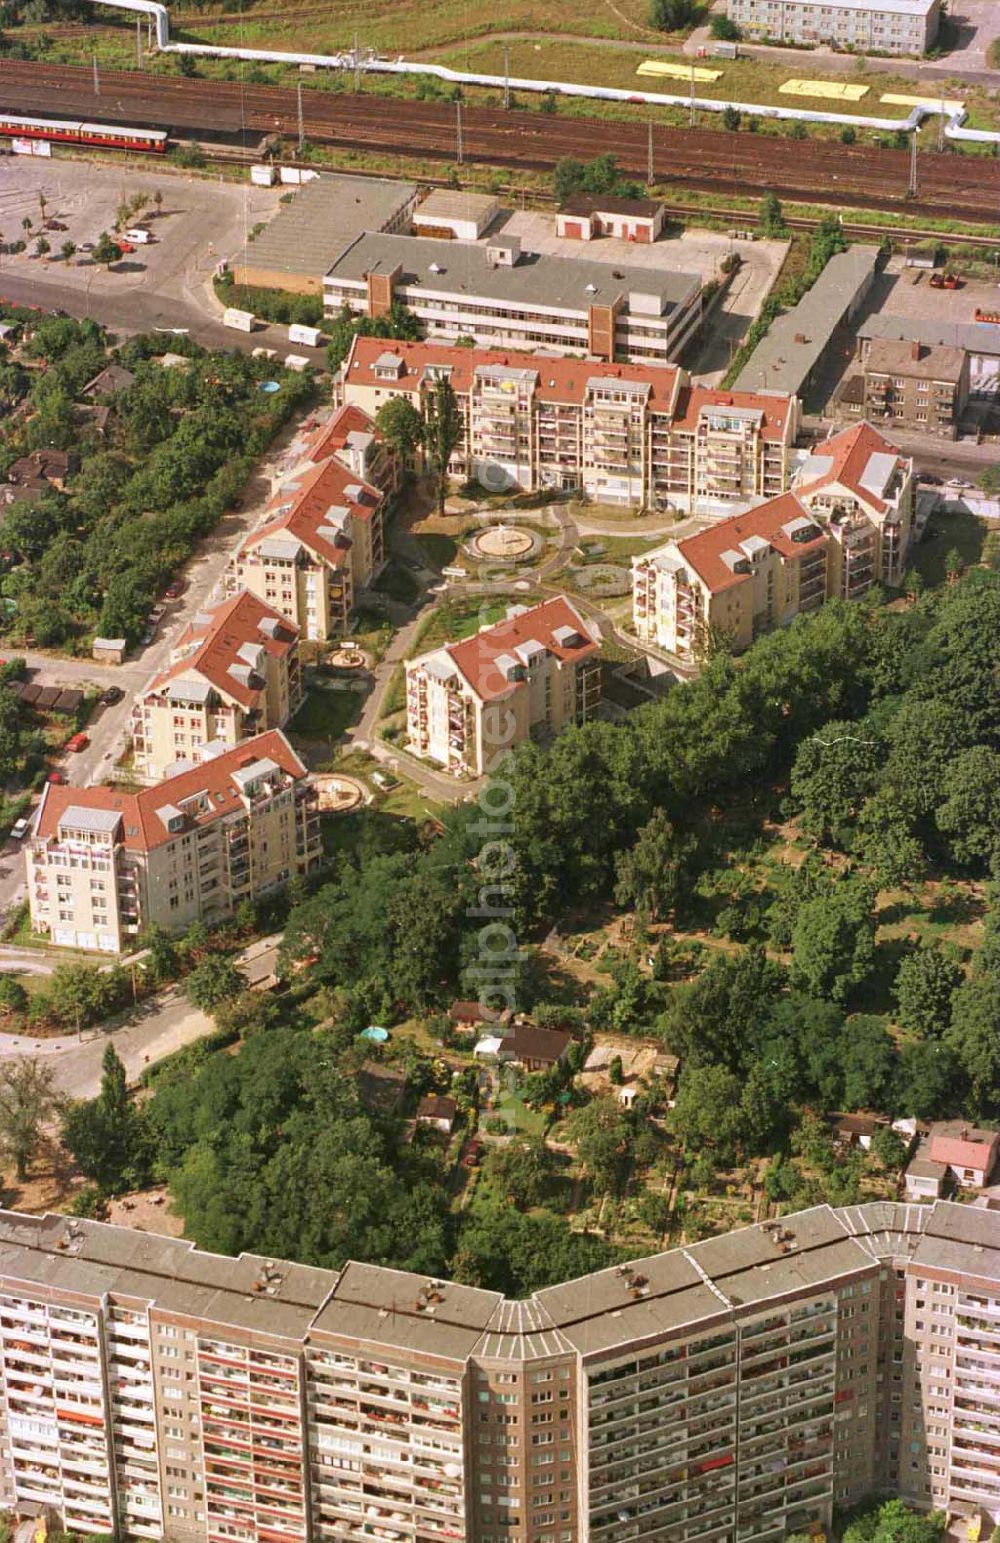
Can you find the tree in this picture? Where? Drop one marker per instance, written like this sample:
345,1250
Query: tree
42,247
108,1135
926,1079
401,426
926,982
848,136
724,28
671,15
521,1170
603,1139
27,1102
974,1037
954,565
722,1016
706,1112
213,981
651,874
731,118
13,997
653,1210
866,1057
833,942
834,771
443,432
968,813
105,251
889,1149
68,249
771,219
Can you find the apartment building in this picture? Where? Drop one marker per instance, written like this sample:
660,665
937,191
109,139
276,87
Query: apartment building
233,673
845,526
866,26
736,1388
541,663
104,865
631,435
504,297
909,386
322,541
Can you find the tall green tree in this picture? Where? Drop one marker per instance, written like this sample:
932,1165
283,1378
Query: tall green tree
925,985
651,874
108,1135
833,942
28,1101
443,432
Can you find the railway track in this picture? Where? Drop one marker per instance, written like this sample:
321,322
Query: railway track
949,186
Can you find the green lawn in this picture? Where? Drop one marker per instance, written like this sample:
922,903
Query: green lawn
945,533
457,619
326,714
511,1106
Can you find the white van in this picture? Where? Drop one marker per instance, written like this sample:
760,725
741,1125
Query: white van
139,236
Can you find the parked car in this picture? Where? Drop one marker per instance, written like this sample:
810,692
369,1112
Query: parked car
112,695
20,828
147,638
78,742
57,778
173,591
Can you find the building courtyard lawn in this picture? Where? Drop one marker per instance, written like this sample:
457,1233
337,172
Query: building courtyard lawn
326,713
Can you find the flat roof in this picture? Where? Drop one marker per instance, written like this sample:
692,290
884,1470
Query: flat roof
563,283
785,358
323,216
975,337
893,7
455,204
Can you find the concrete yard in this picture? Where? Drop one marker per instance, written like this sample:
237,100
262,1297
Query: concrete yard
201,221
902,291
695,251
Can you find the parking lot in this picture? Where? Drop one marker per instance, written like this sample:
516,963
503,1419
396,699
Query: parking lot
198,222
902,291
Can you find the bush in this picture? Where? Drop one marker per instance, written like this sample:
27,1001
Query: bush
724,28
731,118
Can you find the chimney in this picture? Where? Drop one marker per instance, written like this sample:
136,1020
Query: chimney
915,350
800,337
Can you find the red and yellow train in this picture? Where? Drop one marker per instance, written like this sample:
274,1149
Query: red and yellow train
105,136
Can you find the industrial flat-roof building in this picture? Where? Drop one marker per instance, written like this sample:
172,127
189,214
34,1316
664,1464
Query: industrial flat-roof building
455,214
869,26
504,297
796,346
294,251
737,1387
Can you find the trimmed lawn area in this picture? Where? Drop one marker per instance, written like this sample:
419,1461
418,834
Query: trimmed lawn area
326,713
512,1107
457,619
944,533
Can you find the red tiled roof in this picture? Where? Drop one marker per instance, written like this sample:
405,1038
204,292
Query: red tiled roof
331,436
559,380
704,551
964,1148
476,657
776,410
308,498
142,827
850,452
233,624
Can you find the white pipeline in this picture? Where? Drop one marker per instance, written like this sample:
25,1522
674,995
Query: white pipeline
954,115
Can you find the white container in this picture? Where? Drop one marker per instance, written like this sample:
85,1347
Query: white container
241,321
296,362
264,353
263,176
139,236
310,336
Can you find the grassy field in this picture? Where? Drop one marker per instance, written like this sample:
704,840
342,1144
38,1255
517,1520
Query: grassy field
945,533
326,714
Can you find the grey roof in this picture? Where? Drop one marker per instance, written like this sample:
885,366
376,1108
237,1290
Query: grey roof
565,283
960,1238
104,821
190,689
974,337
398,1308
779,362
324,215
893,356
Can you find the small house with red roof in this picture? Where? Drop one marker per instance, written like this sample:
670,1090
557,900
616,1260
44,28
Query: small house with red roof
234,672
528,676
968,1154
